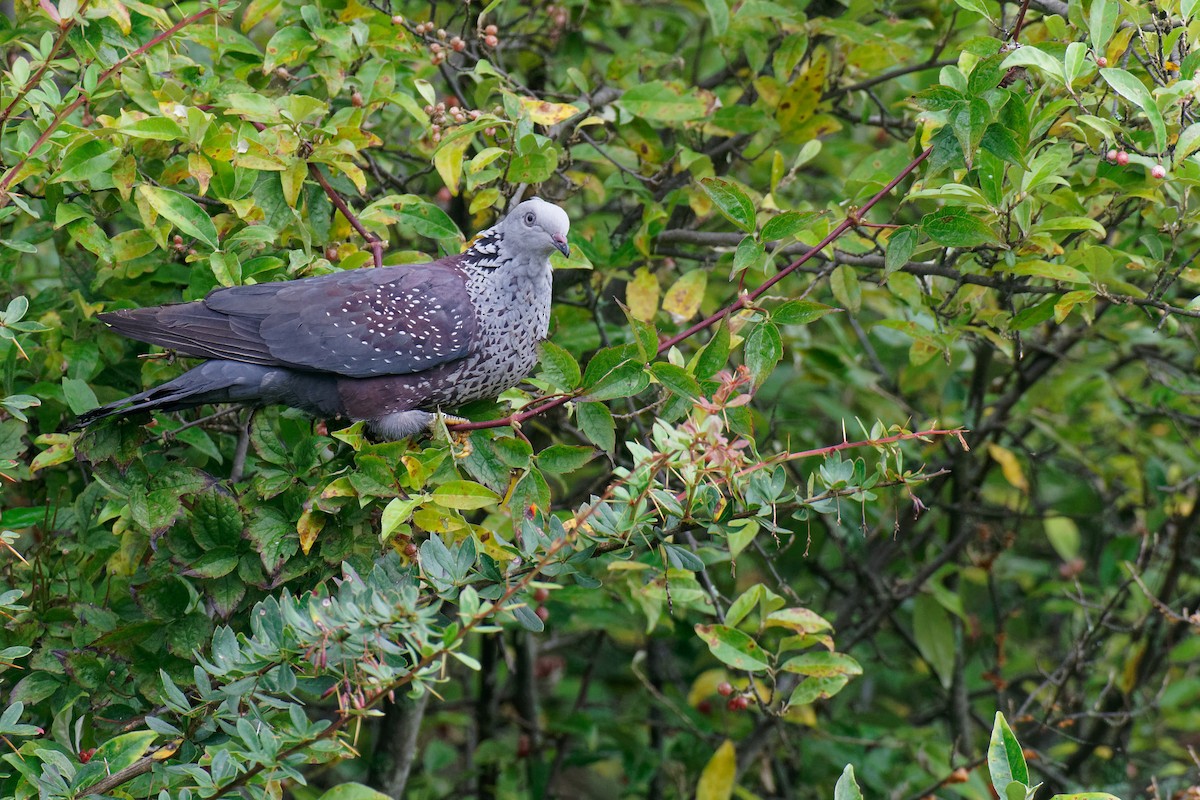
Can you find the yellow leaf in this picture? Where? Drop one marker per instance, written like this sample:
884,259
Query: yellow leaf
641,295
200,169
1010,467
716,782
449,160
543,113
308,527
292,180
683,299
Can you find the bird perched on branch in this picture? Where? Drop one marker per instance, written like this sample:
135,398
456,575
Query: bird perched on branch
388,345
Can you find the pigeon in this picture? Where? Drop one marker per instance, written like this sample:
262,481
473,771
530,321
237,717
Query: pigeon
389,345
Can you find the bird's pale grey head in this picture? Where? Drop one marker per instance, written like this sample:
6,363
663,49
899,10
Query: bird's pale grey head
536,228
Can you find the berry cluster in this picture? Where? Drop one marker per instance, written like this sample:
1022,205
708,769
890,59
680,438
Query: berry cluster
1121,158
442,117
441,43
490,36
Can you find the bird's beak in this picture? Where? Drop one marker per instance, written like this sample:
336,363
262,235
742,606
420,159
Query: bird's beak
560,242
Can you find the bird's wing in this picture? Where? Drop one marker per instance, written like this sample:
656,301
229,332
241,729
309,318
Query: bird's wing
359,323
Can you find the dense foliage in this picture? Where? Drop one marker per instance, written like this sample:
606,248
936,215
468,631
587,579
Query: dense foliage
765,510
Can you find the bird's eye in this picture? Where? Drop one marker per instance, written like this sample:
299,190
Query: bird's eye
529,218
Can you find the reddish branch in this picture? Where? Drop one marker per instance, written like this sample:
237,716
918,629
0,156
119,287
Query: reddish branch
70,108
36,77
852,219
373,241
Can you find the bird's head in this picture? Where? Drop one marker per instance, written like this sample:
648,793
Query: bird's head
536,228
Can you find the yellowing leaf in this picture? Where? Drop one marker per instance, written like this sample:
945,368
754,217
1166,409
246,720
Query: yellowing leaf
641,295
716,781
308,527
448,160
543,113
1010,467
682,300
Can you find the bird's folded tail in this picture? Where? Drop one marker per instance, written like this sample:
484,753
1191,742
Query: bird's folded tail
211,382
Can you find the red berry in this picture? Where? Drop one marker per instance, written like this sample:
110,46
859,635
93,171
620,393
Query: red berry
1158,171
490,40
1122,158
356,99
86,755
331,253
542,612
734,704
704,707
397,20
1101,62
410,550
540,594
724,688
491,30
1111,155
458,44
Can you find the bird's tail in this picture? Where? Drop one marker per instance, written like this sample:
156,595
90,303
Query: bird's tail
211,382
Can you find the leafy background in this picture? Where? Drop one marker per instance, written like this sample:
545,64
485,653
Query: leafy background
765,510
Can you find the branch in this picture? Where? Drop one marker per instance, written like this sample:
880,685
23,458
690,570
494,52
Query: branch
373,241
849,222
36,77
67,110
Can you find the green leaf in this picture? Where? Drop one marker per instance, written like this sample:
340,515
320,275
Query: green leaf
287,46
934,633
900,248
718,15
1125,84
182,212
428,220
596,423
87,161
657,101
955,227
624,380
353,791
846,290
733,648
163,129
675,378
822,664
1000,142
731,201
847,786
464,495
938,98
1030,56
763,350
715,355
1006,761
969,120
563,458
1064,536
559,366
1102,20
812,689
121,752
786,225
79,395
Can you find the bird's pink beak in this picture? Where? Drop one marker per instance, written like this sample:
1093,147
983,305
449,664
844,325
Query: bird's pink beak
560,242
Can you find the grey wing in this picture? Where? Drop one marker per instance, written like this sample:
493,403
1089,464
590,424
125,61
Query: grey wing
360,323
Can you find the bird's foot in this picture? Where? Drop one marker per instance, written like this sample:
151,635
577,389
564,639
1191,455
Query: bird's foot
460,441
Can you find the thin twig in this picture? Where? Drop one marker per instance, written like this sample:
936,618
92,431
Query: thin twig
67,110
